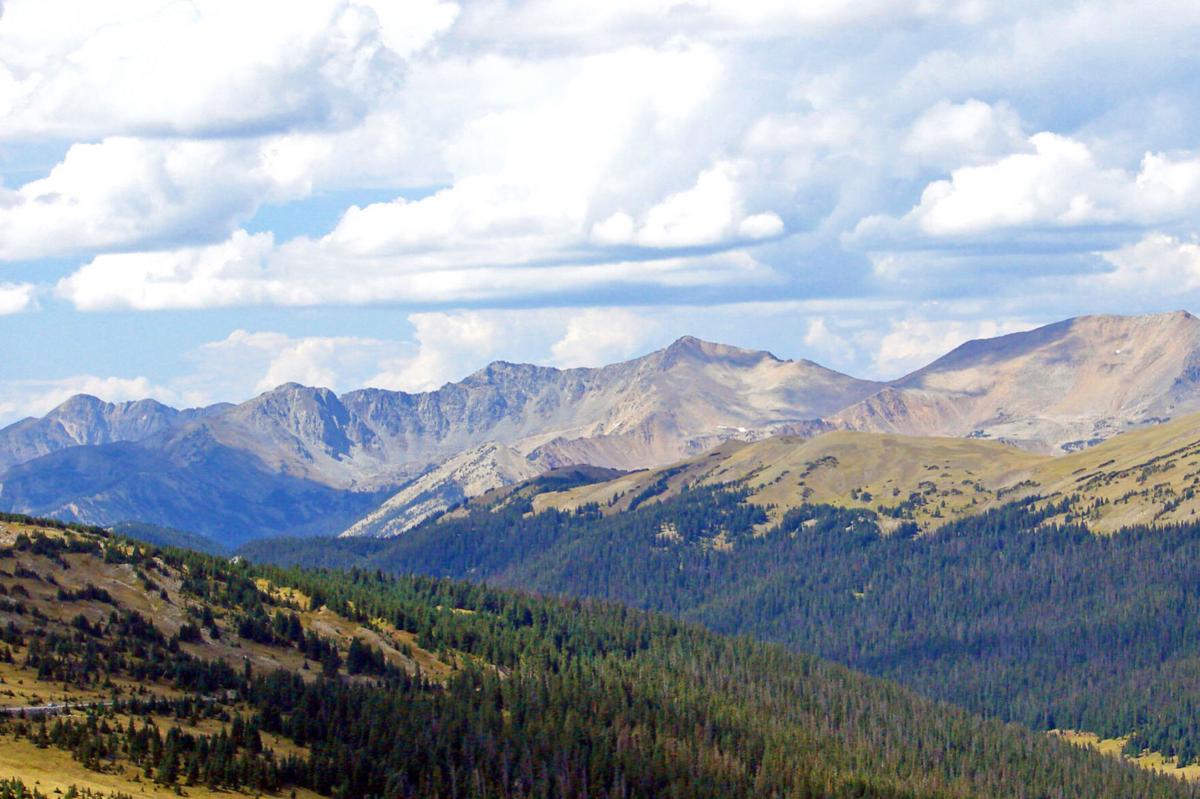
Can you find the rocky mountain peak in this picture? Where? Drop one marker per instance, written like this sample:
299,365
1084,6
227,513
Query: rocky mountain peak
77,403
1055,388
503,373
83,420
692,349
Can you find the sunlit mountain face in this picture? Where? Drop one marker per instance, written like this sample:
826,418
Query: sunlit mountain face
365,194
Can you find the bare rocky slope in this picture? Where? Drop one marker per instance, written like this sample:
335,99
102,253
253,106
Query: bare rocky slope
1055,389
1060,388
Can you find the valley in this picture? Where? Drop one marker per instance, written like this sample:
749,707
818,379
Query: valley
1020,612
286,680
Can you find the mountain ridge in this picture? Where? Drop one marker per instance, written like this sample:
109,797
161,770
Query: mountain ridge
84,419
1057,388
671,403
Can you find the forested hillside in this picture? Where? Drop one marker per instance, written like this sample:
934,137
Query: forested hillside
1003,613
190,673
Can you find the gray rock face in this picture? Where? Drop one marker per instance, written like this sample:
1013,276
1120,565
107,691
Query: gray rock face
466,475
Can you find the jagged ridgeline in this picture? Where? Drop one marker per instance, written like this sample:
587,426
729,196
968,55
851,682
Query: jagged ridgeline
1019,613
137,670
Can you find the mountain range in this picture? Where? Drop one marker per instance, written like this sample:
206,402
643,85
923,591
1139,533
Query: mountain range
304,460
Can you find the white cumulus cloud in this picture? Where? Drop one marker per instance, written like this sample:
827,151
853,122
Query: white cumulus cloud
17,297
445,341
597,336
21,398
246,362
1157,264
209,67
1059,184
950,134
913,342
124,192
708,212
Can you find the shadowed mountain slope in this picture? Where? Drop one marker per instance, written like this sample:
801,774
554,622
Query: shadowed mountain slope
84,420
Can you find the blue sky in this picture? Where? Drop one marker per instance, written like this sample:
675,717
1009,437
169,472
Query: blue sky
200,200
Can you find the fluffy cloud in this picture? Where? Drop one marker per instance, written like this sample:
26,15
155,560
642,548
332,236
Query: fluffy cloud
556,157
125,192
531,180
445,341
247,362
597,336
212,67
191,116
528,184
950,134
826,344
913,342
207,276
17,297
709,212
1156,265
21,398
248,270
1058,184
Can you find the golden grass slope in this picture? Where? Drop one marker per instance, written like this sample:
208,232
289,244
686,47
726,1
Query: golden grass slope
1149,476
949,476
1114,747
54,771
168,611
1146,476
